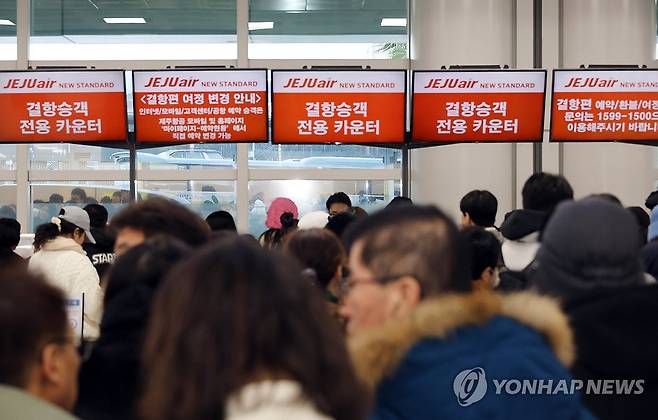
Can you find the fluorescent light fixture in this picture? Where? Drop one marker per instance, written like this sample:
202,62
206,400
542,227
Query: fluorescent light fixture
257,26
7,22
394,22
124,20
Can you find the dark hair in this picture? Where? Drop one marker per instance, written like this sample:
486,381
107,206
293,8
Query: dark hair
652,200
97,215
255,318
10,233
106,200
400,201
339,197
419,241
318,249
340,222
24,331
543,192
481,206
79,192
56,199
161,216
484,249
643,221
221,220
608,197
145,264
49,231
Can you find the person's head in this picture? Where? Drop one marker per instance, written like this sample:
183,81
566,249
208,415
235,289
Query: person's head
485,254
143,268
8,212
338,203
588,245
339,223
78,195
400,201
397,258
221,220
288,226
319,250
652,200
253,320
278,207
315,219
543,192
37,346
116,197
359,212
106,200
643,222
72,222
10,234
97,215
479,208
56,199
154,216
608,197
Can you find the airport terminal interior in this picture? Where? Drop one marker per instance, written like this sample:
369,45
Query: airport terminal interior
328,209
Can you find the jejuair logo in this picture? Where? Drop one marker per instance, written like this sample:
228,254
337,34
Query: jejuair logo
470,386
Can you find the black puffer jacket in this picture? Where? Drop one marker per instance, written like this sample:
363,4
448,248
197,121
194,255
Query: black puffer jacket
101,253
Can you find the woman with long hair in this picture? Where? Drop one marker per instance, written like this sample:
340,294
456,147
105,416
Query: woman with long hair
252,340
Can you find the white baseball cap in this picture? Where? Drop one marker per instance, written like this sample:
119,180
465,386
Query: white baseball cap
78,217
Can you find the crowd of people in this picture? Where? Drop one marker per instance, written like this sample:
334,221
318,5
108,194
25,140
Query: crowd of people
400,314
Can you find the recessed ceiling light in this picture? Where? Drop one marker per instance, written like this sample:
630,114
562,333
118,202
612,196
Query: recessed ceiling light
124,20
394,22
7,22
257,26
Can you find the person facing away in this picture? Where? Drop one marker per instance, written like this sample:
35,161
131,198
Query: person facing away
157,216
282,218
479,208
10,237
100,253
338,203
416,326
485,256
541,193
221,220
589,259
63,262
109,378
268,346
38,358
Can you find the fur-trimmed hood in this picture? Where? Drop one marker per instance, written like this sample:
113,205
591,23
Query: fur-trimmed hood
377,353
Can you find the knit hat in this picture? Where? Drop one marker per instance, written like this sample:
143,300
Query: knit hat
653,227
277,208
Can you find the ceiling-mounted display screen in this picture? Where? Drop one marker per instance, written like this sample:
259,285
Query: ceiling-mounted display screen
62,106
604,105
353,107
210,106
478,106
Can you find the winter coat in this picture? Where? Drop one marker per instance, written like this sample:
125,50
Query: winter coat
9,258
521,230
617,339
270,400
649,256
16,404
64,264
419,366
101,253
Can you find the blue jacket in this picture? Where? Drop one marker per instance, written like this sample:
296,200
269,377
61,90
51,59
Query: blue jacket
448,360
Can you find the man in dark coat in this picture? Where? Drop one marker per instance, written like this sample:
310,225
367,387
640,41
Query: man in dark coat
101,253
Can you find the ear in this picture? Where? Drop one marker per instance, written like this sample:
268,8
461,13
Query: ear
408,295
51,365
466,220
486,278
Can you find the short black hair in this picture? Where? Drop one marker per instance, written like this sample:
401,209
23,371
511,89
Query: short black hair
652,200
400,201
339,197
80,192
10,233
484,249
8,211
543,192
221,220
340,222
97,215
481,206
56,198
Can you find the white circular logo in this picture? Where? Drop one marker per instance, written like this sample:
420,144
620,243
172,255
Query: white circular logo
470,386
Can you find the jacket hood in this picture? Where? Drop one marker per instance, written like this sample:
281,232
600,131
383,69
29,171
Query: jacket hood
61,243
520,223
377,353
615,333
